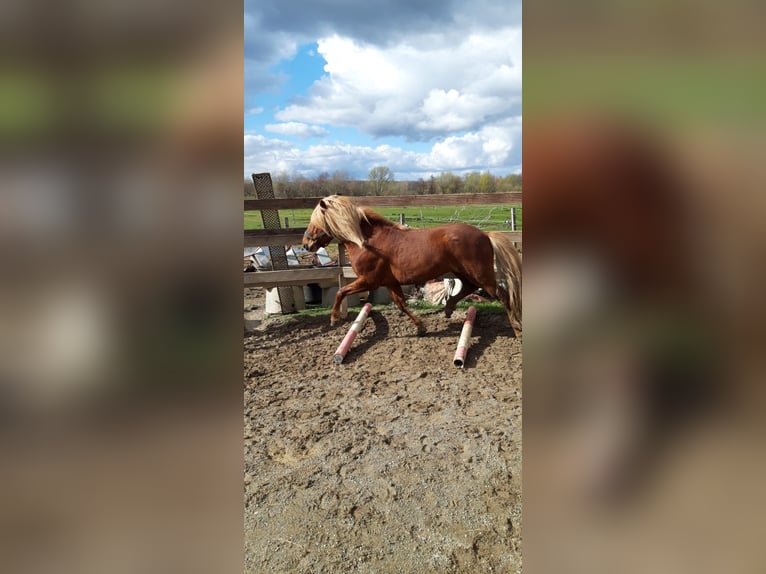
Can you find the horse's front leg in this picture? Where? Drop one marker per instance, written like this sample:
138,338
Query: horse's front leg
398,297
355,287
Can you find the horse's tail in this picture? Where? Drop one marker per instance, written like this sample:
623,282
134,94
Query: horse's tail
508,263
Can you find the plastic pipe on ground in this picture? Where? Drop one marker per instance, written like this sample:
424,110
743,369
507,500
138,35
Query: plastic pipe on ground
345,345
465,338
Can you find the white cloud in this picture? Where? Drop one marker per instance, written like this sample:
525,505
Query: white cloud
264,47
297,129
264,154
494,148
418,92
254,111
446,73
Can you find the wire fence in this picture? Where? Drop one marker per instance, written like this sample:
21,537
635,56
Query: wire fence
485,217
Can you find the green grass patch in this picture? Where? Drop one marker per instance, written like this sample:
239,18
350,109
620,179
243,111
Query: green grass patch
486,217
482,307
317,310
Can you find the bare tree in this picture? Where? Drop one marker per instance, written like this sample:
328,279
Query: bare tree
340,182
380,178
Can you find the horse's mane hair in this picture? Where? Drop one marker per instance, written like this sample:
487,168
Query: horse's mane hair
340,217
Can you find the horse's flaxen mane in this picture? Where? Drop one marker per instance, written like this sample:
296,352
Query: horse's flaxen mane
376,218
342,218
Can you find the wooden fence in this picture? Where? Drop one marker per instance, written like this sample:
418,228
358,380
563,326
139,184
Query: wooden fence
341,272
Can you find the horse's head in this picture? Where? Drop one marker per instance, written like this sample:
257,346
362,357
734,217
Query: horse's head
336,217
315,237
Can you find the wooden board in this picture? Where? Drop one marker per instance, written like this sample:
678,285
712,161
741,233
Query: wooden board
504,198
290,236
271,279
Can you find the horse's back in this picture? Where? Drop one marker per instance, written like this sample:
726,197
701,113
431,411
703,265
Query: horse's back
463,236
467,250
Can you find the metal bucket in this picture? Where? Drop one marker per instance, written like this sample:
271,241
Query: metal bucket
312,293
379,296
274,305
328,297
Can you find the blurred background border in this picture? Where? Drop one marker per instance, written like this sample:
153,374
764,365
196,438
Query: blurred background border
643,171
121,330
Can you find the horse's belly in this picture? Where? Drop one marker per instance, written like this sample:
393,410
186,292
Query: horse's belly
418,271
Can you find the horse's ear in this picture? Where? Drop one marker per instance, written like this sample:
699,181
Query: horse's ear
323,205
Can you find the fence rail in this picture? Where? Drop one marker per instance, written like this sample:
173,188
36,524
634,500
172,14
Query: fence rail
291,236
508,197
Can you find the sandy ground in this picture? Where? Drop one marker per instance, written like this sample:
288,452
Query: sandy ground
394,461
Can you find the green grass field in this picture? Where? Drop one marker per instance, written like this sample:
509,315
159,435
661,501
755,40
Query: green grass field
486,217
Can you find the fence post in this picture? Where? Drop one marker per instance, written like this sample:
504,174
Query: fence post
342,280
401,219
270,218
513,219
287,222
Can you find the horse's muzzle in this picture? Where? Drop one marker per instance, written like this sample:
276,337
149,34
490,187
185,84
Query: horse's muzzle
311,242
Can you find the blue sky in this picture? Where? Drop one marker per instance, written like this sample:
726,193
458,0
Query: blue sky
421,86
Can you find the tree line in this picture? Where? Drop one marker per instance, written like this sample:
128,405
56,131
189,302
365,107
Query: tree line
381,181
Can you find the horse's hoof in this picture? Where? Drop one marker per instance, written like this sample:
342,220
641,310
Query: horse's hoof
421,331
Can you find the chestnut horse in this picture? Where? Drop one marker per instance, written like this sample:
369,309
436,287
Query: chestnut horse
386,254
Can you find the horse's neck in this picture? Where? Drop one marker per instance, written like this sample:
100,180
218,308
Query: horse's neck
376,237
351,249
377,232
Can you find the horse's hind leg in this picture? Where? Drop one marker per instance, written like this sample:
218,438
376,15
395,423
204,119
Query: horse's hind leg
397,295
466,290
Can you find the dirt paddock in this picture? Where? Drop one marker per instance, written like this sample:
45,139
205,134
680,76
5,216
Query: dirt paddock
394,461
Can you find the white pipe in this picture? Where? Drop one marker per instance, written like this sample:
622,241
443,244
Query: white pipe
465,338
345,345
